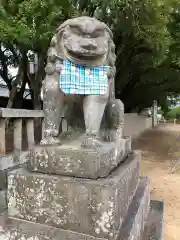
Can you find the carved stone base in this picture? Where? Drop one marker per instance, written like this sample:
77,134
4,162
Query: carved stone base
132,227
70,159
92,207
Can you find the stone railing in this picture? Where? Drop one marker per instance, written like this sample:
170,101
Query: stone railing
17,129
17,133
20,129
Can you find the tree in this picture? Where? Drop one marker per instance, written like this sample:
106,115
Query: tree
144,43
29,25
141,52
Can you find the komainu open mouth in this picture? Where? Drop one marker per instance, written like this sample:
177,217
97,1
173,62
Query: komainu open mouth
85,56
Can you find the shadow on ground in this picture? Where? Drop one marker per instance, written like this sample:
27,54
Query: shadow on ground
158,141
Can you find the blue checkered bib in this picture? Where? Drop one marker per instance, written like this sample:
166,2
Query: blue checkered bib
76,79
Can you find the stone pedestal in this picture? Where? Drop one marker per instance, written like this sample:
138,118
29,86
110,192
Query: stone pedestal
132,226
71,160
43,206
94,207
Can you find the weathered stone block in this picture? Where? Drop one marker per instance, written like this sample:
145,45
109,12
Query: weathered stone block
133,225
72,160
10,162
92,207
154,224
16,229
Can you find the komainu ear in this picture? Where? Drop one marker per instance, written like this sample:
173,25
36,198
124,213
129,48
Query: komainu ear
52,54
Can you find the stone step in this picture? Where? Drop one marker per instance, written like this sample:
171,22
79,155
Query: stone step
70,159
16,229
154,226
92,207
133,225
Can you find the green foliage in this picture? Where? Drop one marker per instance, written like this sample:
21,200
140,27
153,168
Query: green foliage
174,113
31,23
146,34
141,75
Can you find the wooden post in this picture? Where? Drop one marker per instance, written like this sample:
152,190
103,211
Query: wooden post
17,123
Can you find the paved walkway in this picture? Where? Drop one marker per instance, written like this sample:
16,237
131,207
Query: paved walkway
156,163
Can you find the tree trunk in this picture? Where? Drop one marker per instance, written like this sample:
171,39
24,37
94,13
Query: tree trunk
18,101
4,68
35,85
19,78
38,83
13,91
30,89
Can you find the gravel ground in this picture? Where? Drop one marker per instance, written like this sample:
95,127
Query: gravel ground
157,163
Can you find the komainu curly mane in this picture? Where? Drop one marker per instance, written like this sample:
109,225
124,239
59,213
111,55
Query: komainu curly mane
87,42
58,49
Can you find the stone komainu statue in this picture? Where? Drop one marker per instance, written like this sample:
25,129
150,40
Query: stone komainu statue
80,72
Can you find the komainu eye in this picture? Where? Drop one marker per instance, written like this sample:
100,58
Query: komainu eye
98,33
76,31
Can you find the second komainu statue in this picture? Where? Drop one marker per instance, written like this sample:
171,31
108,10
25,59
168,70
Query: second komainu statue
79,83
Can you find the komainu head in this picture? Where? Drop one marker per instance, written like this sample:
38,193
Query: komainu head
84,40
